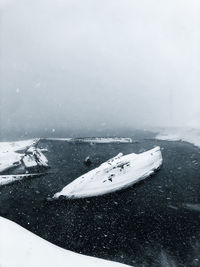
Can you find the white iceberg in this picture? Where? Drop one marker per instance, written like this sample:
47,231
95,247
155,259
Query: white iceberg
115,174
21,248
34,158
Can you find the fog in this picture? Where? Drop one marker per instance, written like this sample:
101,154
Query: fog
75,64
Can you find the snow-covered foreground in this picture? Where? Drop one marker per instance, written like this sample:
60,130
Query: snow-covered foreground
21,248
100,140
188,135
115,174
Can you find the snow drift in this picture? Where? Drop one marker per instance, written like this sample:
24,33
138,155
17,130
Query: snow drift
21,248
115,174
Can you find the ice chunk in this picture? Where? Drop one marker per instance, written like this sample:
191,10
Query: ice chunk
9,157
31,157
87,161
8,179
21,248
34,158
115,174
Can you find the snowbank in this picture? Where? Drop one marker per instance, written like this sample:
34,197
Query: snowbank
21,248
188,135
115,174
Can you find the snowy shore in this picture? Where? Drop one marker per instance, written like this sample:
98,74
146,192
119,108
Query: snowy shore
21,248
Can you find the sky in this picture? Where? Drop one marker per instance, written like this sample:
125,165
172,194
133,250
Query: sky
77,64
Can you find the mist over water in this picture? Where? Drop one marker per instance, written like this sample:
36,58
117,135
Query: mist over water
95,65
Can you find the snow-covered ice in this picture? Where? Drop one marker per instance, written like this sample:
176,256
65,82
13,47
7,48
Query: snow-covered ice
17,146
9,160
8,179
34,158
178,134
103,140
100,140
9,157
115,174
13,154
21,248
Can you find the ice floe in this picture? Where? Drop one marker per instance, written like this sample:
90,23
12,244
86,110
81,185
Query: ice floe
11,178
24,154
115,174
100,140
176,134
34,158
21,248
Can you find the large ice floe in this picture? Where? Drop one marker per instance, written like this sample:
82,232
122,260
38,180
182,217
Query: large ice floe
179,134
113,175
21,248
100,140
22,154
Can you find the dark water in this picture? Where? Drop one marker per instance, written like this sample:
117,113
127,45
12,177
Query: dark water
145,225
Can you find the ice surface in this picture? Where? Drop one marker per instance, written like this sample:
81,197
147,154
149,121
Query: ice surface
115,174
8,179
104,140
188,135
100,140
21,248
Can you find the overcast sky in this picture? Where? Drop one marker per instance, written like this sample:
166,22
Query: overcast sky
99,63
